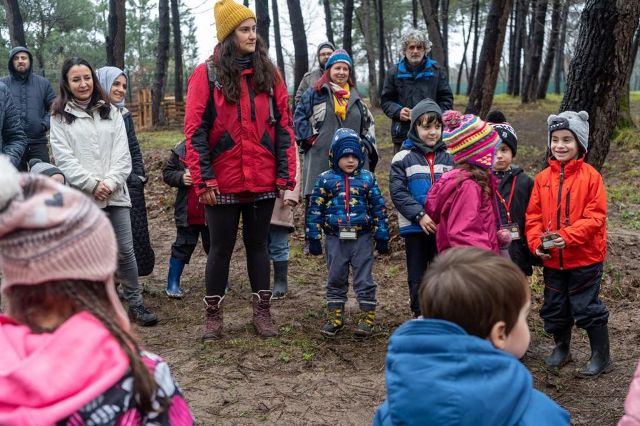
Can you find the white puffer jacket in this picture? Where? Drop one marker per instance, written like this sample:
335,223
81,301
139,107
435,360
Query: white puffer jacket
92,149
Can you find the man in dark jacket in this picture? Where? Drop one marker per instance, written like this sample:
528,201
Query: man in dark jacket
414,78
32,96
13,141
325,49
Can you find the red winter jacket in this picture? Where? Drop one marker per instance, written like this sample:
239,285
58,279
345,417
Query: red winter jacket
569,199
235,147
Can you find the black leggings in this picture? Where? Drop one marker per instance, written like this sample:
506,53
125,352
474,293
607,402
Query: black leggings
223,221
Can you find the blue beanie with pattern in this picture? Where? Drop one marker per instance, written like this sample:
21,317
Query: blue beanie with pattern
339,55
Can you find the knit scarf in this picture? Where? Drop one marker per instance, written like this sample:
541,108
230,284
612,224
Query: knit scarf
340,99
245,62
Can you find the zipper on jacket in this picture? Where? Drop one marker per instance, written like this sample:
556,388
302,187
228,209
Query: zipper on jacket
431,159
347,207
559,210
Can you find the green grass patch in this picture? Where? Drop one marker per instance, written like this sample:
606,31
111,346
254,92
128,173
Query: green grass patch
628,138
625,193
160,139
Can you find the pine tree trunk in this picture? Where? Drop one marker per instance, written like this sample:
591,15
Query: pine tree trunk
162,60
14,22
301,55
559,68
463,62
115,41
263,20
545,76
489,63
444,17
512,51
521,19
277,38
381,47
327,20
431,19
529,90
414,13
606,32
625,119
347,41
476,37
367,30
178,87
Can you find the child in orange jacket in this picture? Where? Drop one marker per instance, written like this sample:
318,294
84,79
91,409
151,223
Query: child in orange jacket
566,228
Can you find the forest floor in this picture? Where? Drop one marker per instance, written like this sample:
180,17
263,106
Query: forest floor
301,378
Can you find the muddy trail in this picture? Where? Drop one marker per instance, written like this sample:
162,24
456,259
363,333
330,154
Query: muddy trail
301,378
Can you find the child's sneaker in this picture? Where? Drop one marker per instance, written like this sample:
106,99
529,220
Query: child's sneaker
335,322
365,324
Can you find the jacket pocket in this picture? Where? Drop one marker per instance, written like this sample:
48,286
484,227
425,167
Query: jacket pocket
224,144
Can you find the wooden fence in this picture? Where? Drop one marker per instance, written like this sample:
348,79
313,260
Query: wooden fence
171,111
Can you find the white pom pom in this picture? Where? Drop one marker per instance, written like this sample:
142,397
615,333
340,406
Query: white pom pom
9,182
584,115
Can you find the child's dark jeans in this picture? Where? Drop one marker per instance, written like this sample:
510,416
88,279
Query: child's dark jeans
187,240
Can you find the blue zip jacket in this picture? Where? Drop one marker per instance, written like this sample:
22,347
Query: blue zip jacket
437,374
334,190
411,177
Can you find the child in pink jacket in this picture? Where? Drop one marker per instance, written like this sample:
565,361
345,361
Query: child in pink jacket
462,203
68,356
632,403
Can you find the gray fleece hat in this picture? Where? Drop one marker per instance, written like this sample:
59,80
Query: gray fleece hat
423,107
576,122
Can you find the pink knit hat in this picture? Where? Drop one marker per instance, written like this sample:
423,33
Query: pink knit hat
469,139
50,232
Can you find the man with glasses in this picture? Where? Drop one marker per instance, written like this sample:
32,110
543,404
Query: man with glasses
414,78
325,49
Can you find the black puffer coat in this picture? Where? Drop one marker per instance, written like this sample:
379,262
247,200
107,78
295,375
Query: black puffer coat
13,140
145,256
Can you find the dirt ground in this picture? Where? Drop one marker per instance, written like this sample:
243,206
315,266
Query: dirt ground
301,378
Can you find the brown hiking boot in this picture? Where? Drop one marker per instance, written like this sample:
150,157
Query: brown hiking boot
261,302
212,317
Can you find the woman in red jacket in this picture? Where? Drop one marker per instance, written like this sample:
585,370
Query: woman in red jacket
241,155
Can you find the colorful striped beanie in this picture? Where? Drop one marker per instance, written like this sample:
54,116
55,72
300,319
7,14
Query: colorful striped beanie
469,139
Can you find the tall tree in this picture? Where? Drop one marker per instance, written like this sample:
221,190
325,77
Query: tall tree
559,68
414,13
489,63
433,27
177,52
115,40
519,17
347,23
277,37
463,61
604,37
301,55
367,28
162,60
625,119
444,18
530,83
381,46
475,19
327,20
545,76
263,20
15,23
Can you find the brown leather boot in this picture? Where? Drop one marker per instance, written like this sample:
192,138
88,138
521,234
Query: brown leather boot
212,328
262,321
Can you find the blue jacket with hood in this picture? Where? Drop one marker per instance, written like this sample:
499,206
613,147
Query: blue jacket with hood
339,199
437,374
33,96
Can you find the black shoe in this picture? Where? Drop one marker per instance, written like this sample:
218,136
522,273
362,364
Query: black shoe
600,361
142,316
561,354
365,324
335,321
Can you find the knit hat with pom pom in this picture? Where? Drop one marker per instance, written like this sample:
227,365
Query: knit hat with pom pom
50,232
469,139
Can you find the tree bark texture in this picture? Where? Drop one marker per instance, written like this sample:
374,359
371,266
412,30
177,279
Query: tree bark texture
277,38
347,40
605,36
489,63
115,40
547,67
433,28
414,13
162,54
365,21
559,68
624,118
178,88
381,46
530,86
301,55
15,23
444,18
475,20
327,20
263,20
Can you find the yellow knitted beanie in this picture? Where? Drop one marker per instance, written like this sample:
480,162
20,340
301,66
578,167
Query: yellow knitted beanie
228,15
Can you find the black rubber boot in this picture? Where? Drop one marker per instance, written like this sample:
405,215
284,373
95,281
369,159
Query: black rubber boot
561,354
600,361
280,284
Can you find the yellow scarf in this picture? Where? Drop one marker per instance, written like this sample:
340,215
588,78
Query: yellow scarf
340,99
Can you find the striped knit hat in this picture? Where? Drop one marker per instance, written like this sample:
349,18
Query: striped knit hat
339,55
50,232
469,139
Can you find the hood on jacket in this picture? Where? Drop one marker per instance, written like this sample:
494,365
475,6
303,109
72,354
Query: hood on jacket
437,374
12,53
46,377
106,77
346,141
425,106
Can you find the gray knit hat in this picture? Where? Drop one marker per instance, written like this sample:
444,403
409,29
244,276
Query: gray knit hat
576,122
39,167
324,44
